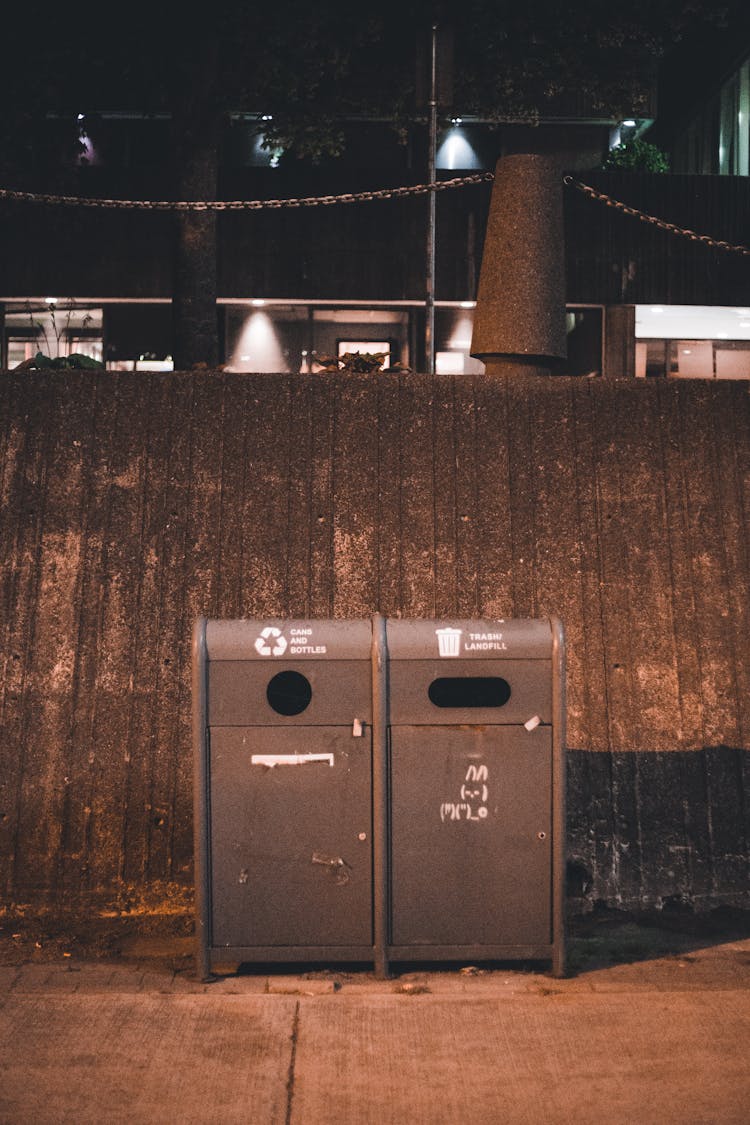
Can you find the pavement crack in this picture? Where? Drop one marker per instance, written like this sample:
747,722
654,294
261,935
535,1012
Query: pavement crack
292,1061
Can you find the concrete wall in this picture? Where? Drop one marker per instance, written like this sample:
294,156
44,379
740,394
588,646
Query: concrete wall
132,503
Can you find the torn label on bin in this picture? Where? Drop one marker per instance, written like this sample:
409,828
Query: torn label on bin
338,868
272,760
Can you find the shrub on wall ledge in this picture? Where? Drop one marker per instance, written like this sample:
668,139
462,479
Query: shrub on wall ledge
636,156
75,362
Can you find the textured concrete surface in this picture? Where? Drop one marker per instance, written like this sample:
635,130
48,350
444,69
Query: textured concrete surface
131,504
520,311
660,1041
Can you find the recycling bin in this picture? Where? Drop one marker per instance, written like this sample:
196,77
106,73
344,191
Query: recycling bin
476,790
283,790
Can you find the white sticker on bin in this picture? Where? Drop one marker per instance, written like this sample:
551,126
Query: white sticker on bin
272,760
533,723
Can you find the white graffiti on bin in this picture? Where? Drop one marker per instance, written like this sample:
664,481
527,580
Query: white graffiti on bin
462,810
474,793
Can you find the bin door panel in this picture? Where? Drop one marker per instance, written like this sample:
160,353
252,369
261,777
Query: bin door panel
288,865
471,835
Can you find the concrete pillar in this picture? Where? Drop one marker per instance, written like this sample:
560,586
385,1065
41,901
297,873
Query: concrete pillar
619,342
519,324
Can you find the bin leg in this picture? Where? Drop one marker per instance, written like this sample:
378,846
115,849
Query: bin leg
558,961
200,801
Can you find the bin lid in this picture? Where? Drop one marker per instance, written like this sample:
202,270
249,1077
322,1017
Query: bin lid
271,638
511,639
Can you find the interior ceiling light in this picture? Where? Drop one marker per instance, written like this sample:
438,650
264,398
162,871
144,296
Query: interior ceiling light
691,322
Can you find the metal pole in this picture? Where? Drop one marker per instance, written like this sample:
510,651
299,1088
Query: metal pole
558,790
201,812
429,331
380,815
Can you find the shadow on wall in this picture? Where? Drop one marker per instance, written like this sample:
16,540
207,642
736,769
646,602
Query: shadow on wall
664,831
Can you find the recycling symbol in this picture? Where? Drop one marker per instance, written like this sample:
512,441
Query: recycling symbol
263,646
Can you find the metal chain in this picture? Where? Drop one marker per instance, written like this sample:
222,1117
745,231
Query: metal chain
353,197
714,243
244,204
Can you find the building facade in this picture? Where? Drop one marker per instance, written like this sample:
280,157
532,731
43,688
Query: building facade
298,284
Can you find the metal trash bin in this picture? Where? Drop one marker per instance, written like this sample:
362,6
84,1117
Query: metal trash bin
476,800
377,791
283,791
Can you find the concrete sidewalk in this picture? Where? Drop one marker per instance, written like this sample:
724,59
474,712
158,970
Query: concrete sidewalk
656,1041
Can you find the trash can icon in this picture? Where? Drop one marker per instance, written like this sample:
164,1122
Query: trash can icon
449,641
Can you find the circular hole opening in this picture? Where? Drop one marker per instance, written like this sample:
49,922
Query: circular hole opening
289,693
